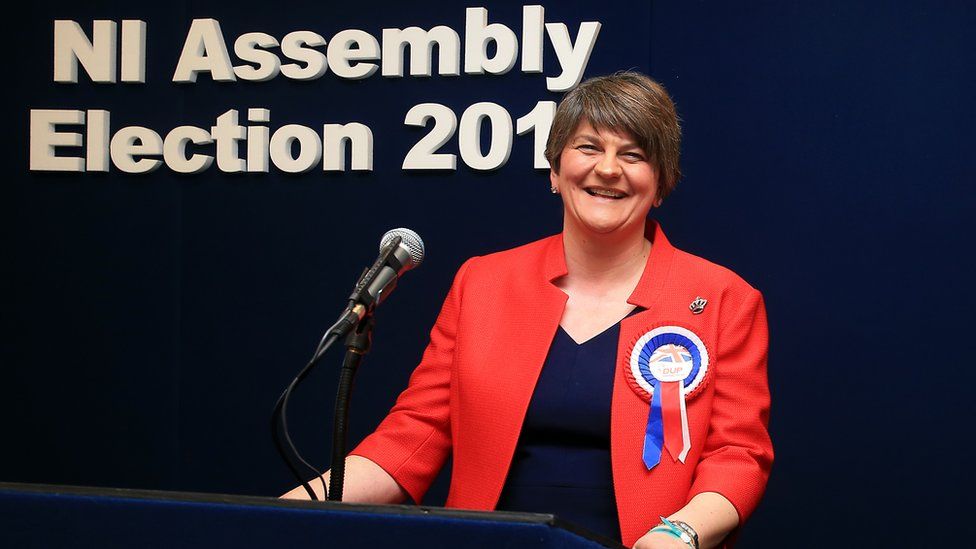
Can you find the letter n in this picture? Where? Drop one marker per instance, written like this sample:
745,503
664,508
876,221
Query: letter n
99,56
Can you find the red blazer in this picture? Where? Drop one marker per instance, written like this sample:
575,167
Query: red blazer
469,395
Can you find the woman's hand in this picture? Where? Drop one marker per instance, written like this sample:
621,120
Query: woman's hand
659,540
365,482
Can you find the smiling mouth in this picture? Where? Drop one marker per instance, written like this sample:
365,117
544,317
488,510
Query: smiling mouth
604,193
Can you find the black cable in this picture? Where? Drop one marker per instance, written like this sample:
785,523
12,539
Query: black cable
349,320
276,431
279,419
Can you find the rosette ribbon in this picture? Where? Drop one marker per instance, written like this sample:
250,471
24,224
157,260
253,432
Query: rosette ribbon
667,363
667,424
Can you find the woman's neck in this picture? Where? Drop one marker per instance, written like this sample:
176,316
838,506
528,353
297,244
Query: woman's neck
611,258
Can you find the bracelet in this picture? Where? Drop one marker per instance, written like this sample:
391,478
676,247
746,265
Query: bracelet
667,531
688,530
668,527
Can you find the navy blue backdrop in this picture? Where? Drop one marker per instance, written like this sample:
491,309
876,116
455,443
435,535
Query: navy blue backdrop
149,322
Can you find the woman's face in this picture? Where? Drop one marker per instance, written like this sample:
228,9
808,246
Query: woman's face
606,181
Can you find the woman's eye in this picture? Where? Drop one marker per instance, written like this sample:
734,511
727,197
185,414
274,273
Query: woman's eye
586,147
634,156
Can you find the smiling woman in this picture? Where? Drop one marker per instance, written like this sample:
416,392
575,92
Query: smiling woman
607,183
637,388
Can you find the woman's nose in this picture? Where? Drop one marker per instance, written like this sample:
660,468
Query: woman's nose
608,167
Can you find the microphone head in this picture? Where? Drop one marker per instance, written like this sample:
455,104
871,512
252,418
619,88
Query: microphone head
410,241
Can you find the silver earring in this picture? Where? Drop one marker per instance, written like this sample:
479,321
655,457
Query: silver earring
553,190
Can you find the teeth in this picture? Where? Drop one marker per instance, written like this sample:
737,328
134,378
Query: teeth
605,192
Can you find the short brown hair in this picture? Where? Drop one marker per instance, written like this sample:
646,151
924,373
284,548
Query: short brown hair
628,102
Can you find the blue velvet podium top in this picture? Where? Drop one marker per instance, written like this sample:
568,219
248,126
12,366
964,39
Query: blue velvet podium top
562,462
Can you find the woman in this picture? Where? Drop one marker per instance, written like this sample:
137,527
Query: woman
600,374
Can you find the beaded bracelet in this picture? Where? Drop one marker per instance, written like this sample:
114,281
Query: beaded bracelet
688,530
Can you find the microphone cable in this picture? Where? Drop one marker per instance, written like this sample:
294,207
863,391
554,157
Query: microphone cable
279,420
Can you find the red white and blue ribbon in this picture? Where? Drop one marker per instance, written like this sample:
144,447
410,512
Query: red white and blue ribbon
668,363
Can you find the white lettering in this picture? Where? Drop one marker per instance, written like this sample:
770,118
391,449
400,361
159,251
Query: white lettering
309,148
227,132
97,141
533,36
469,136
134,141
72,46
258,139
316,63
174,149
133,51
423,155
135,149
538,121
358,137
44,139
572,58
204,51
355,54
353,45
248,48
477,34
421,44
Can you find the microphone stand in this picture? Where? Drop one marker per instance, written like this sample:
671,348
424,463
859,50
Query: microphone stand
357,345
356,323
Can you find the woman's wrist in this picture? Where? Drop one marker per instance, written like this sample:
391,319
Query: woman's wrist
678,529
710,515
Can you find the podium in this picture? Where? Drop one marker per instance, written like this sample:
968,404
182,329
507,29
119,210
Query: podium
70,516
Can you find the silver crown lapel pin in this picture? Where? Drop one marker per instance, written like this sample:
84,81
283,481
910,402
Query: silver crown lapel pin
698,305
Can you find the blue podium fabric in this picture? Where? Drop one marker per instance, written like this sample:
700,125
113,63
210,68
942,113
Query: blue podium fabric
107,518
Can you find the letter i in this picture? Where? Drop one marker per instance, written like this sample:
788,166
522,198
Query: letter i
258,140
133,51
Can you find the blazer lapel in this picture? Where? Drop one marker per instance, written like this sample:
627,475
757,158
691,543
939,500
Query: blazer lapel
628,411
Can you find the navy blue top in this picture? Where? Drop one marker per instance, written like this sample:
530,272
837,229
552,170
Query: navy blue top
562,462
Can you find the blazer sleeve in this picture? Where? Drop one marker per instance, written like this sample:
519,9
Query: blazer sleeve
413,441
738,453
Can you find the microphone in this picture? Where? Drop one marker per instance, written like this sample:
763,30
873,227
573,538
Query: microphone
400,250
